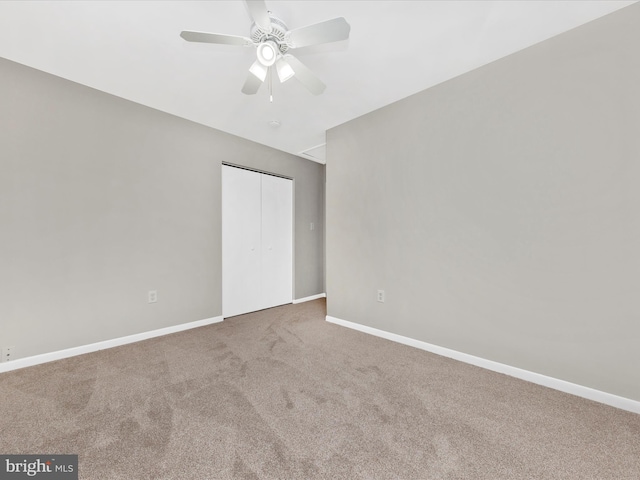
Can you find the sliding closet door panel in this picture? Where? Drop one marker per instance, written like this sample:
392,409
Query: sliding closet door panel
277,240
241,241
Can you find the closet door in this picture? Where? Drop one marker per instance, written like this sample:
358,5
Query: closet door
241,241
257,241
277,241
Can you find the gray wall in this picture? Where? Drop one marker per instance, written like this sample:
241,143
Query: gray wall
102,199
500,210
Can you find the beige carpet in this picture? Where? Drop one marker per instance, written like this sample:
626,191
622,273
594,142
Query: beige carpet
283,394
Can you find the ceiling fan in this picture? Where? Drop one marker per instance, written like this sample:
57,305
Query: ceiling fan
273,40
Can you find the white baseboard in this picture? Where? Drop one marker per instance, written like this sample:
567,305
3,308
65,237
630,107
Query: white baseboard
308,299
94,347
557,384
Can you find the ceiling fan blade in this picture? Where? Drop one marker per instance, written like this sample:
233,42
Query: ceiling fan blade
219,38
305,76
259,13
251,85
257,74
323,32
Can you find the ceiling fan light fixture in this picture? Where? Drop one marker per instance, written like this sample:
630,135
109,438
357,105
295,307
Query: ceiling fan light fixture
285,72
259,71
267,53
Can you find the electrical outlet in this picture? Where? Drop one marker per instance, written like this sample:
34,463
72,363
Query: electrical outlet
7,354
153,296
381,296
312,226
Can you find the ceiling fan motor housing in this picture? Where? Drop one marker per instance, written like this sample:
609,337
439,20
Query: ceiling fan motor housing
277,34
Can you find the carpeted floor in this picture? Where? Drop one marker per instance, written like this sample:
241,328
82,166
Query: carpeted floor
283,394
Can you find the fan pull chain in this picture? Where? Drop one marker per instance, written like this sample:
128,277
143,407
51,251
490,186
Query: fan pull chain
270,84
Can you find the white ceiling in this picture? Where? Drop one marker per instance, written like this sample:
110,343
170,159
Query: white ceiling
132,49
